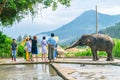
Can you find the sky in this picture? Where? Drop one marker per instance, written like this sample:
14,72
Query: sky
47,20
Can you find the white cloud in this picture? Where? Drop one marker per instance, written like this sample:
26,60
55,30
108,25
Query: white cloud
111,11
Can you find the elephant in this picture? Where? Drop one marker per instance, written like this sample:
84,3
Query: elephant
97,42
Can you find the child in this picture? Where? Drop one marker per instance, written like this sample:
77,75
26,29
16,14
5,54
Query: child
29,46
44,48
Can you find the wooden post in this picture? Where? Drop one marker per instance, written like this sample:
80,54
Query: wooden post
96,21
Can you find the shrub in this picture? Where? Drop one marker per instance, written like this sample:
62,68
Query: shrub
20,50
116,49
5,43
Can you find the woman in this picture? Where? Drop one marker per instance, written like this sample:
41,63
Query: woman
44,48
34,48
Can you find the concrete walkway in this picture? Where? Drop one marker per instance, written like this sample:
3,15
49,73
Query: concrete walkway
102,61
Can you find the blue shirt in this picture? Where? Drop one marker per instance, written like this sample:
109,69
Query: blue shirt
52,41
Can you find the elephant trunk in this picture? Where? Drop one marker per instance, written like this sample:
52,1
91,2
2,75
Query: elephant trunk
73,45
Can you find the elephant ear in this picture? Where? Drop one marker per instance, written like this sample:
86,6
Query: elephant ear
88,40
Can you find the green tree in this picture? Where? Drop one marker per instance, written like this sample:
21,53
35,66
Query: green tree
14,10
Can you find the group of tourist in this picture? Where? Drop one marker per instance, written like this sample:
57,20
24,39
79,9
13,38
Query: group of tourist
48,46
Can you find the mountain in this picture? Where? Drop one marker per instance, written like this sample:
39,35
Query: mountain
113,31
83,24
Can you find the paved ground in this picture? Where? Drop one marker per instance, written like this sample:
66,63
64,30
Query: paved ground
61,60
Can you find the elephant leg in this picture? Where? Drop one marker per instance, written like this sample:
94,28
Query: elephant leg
94,54
109,55
97,56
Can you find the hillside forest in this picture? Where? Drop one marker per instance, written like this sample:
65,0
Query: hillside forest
113,31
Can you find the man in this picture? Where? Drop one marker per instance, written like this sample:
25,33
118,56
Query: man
51,46
14,49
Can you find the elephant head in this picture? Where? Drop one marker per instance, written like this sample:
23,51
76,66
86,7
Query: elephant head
85,40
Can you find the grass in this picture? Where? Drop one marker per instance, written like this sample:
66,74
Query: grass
116,50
